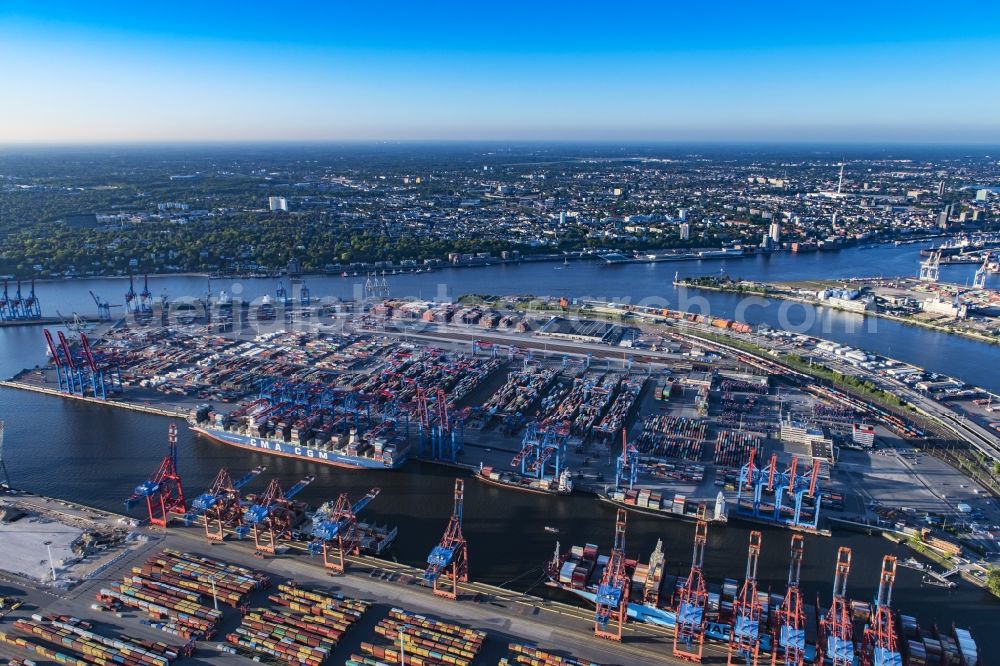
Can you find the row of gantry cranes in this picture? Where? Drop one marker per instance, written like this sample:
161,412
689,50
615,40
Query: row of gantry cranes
749,636
930,269
272,516
18,307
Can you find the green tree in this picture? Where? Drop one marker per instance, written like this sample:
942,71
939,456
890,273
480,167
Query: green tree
993,581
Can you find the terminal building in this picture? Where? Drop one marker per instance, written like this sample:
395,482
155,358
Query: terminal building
863,435
813,440
583,330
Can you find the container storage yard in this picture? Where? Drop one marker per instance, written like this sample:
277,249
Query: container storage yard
687,435
547,420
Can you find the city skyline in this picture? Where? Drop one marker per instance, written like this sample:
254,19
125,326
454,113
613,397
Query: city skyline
449,72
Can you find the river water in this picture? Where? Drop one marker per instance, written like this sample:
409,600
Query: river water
95,455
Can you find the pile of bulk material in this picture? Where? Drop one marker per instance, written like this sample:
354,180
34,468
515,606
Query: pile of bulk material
180,591
518,653
68,640
420,641
304,631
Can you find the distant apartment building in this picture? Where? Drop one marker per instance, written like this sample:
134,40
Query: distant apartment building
277,204
775,232
685,231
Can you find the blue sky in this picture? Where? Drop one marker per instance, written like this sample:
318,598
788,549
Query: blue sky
796,71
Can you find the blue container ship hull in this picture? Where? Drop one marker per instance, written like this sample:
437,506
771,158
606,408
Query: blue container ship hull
291,450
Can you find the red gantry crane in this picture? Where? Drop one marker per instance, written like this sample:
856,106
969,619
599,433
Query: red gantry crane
337,530
689,632
271,516
836,640
220,504
744,637
613,591
880,646
163,492
791,617
449,560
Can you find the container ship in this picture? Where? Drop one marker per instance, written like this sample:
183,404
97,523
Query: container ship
654,597
318,439
652,503
560,485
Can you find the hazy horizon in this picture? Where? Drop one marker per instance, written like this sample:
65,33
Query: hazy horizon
648,73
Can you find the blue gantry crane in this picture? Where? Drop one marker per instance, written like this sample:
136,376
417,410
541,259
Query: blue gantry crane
30,307
6,311
448,562
220,504
131,298
543,453
103,307
146,297
336,531
762,491
282,296
613,591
